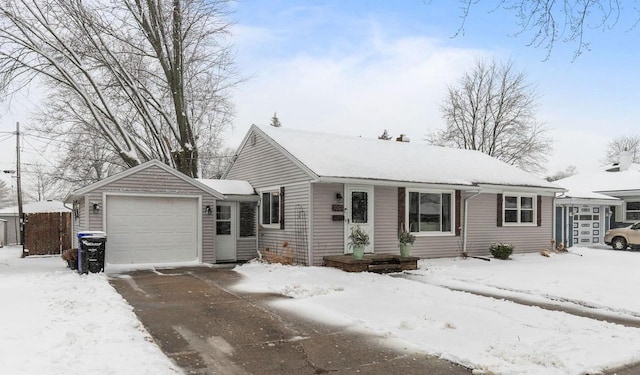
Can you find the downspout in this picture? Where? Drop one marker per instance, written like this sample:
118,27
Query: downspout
310,226
257,221
464,225
553,219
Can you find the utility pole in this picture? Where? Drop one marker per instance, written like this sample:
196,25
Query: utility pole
20,212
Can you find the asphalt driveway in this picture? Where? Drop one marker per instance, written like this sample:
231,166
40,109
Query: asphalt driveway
208,329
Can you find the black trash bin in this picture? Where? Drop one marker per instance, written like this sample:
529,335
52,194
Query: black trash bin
83,256
93,249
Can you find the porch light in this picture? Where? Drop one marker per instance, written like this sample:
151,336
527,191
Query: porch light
207,210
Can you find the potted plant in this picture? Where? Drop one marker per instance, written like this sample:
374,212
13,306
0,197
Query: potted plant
406,239
358,239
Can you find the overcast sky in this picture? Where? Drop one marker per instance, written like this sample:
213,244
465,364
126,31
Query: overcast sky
359,67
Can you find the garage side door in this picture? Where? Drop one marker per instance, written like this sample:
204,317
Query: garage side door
151,229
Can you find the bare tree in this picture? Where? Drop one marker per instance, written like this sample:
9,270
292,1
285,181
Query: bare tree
492,109
7,197
550,21
624,143
149,78
217,160
85,158
40,185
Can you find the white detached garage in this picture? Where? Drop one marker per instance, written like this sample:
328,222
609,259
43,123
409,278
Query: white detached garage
155,215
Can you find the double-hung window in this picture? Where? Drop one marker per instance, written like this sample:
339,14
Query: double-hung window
430,212
519,209
632,211
270,207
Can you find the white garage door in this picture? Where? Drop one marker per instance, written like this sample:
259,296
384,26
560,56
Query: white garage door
151,229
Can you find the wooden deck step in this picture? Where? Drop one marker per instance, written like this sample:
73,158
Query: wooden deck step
385,268
378,263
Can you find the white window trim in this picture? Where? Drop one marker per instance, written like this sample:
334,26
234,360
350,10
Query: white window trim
625,218
270,190
534,199
429,191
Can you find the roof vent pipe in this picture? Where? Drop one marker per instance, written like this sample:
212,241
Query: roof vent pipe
625,159
403,138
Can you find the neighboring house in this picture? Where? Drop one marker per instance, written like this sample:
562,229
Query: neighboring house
153,214
314,188
10,214
596,201
3,232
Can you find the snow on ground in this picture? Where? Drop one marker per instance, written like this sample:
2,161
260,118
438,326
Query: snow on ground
593,278
55,321
482,333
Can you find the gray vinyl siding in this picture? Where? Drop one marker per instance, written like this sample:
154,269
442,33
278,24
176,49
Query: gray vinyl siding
78,224
154,180
296,224
385,220
264,165
246,248
327,235
12,229
483,230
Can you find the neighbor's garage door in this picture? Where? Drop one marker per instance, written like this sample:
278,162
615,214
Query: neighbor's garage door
151,229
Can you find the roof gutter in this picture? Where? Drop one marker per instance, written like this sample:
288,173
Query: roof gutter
464,224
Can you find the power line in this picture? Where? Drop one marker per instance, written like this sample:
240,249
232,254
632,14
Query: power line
6,137
41,155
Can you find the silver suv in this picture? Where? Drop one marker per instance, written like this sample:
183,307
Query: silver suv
621,238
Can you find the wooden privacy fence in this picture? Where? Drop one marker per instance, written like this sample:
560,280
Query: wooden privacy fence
47,233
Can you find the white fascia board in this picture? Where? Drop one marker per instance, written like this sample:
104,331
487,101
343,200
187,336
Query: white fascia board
241,198
410,185
586,201
620,193
544,191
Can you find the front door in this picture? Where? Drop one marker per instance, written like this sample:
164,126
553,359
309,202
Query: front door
225,232
358,212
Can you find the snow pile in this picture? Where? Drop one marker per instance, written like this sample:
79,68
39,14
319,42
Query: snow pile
482,333
55,321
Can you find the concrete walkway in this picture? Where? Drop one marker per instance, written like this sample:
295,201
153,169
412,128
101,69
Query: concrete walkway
208,329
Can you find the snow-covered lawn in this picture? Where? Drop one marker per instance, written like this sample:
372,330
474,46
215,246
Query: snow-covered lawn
606,280
478,332
55,321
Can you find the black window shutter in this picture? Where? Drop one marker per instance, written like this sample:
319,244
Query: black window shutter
401,209
281,207
539,210
499,210
458,222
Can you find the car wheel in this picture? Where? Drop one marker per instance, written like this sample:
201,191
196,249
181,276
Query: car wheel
619,243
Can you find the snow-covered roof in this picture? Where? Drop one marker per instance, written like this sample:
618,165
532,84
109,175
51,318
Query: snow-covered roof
36,207
229,187
603,181
337,156
151,163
